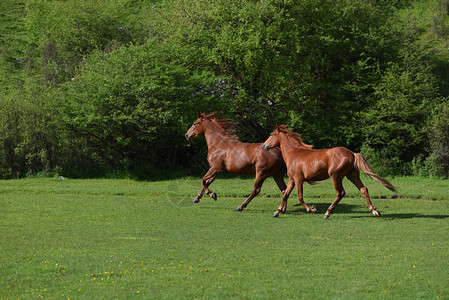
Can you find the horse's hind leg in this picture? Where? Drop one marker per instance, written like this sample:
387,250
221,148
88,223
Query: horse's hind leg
354,177
337,181
256,190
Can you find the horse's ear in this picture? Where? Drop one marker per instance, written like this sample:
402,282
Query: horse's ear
201,115
211,116
277,126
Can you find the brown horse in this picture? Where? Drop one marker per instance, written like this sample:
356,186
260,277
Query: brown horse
307,164
227,153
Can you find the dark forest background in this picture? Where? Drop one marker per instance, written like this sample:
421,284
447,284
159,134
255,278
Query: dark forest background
92,88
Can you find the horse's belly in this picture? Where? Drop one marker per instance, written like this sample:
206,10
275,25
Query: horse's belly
317,177
315,171
245,169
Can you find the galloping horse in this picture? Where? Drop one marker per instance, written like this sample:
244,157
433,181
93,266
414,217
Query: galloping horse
227,153
307,164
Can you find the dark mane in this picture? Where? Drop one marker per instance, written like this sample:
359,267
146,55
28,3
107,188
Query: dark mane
227,126
295,137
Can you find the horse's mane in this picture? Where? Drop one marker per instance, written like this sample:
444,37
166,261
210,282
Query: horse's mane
295,137
227,126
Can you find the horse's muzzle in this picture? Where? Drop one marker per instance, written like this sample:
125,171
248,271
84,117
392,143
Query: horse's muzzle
266,147
187,137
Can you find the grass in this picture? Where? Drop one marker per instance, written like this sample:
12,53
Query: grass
100,239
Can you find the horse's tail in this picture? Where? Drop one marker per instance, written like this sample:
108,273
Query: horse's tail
361,164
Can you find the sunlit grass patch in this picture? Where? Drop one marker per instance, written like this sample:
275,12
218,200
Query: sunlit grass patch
127,239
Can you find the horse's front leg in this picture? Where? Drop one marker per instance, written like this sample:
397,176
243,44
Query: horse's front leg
200,194
279,179
207,180
283,207
198,197
299,189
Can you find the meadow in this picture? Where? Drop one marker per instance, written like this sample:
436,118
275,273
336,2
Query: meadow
102,239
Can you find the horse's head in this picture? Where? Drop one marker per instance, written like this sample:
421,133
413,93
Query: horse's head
273,139
293,138
197,127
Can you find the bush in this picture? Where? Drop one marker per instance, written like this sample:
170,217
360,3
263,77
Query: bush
129,109
395,124
92,87
439,141
29,133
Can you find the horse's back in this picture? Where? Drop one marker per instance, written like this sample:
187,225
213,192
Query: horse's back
341,154
318,164
249,158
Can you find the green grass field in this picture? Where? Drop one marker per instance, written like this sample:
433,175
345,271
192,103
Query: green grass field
100,239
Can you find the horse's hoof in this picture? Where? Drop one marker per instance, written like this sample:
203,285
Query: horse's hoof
326,215
275,215
313,209
239,208
376,213
195,200
214,196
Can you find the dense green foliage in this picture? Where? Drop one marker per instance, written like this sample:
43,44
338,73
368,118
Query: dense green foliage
93,88
125,239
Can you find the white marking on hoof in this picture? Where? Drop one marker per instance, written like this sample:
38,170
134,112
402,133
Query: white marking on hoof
313,209
375,212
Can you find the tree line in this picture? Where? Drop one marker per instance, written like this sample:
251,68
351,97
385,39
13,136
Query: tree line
94,88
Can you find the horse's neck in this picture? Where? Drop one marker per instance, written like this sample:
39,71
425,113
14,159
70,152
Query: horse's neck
214,135
288,146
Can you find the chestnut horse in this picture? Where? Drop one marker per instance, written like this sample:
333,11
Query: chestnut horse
307,164
227,153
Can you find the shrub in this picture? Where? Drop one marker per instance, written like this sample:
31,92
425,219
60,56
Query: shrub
439,141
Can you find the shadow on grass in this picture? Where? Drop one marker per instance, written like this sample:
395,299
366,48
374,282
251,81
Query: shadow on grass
412,216
342,208
355,209
295,208
322,208
246,210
